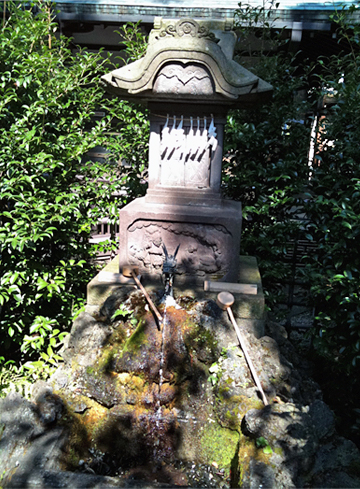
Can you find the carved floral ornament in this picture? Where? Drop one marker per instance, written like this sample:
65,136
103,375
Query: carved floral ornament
188,27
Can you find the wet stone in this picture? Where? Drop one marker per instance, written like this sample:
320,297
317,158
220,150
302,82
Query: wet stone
167,394
141,352
103,390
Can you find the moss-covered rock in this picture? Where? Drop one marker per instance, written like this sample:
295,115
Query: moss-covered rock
219,445
184,397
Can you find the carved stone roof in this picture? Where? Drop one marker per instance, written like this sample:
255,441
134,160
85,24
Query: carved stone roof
190,60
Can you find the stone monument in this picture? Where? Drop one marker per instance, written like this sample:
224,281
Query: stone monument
188,80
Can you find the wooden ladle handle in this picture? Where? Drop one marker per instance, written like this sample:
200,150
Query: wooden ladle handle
147,297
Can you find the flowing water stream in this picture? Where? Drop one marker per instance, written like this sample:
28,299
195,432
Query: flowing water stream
168,301
162,352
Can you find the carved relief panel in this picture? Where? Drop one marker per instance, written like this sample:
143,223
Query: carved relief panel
204,248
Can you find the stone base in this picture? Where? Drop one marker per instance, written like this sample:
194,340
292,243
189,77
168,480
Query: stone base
208,235
249,309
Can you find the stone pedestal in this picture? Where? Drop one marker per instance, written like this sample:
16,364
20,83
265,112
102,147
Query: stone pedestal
209,239
183,204
189,80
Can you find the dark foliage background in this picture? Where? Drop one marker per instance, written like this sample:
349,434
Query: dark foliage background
51,193
287,197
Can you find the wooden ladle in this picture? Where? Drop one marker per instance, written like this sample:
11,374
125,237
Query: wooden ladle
225,300
129,271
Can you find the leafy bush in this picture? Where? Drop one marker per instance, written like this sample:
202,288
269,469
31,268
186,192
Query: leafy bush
266,161
333,209
267,169
50,194
333,205
20,378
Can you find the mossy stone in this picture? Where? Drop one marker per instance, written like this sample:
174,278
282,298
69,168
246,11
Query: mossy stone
219,445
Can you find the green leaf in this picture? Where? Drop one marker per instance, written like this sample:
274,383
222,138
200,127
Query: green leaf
261,442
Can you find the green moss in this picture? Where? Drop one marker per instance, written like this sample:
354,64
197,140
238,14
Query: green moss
279,451
201,341
247,451
233,419
104,363
82,429
118,336
223,393
77,441
231,409
219,445
137,339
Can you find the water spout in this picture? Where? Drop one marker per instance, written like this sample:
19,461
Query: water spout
168,270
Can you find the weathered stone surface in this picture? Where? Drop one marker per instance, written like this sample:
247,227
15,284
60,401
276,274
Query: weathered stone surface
86,338
26,444
108,282
340,453
298,432
282,424
145,239
199,65
323,419
57,478
142,351
209,239
189,427
50,407
261,475
114,301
